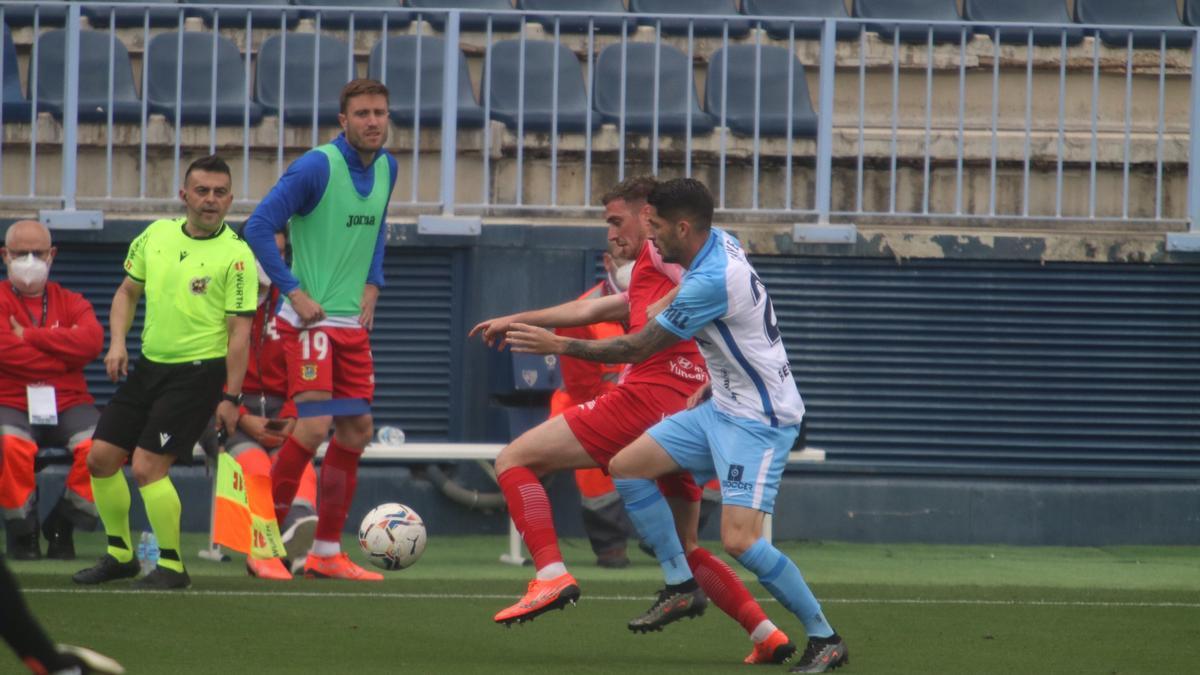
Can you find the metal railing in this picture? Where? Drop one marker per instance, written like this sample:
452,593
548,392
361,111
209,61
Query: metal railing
879,152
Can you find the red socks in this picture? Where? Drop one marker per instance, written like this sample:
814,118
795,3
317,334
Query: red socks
529,508
285,475
725,589
335,487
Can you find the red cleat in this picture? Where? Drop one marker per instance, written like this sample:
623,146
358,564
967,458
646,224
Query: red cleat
541,597
337,567
268,568
777,648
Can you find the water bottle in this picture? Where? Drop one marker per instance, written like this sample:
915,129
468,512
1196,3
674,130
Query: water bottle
147,552
390,436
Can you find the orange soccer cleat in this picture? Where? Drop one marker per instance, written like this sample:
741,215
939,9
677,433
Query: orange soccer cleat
777,648
337,566
541,597
268,568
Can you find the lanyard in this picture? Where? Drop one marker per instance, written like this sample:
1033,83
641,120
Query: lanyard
45,306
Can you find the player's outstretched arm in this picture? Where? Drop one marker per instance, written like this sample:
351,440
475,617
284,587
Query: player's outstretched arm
573,313
633,348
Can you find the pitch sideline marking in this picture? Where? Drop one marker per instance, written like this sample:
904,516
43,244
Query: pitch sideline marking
606,598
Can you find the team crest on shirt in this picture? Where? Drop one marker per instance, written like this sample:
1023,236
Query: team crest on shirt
308,372
200,285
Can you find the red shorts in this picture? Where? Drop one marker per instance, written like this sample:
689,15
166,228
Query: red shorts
605,425
329,358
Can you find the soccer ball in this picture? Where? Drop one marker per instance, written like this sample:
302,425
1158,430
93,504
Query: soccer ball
392,536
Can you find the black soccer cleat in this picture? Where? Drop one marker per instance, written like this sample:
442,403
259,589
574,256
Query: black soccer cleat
163,579
107,569
822,655
670,606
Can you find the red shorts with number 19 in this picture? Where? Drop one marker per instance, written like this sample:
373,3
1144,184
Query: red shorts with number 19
329,358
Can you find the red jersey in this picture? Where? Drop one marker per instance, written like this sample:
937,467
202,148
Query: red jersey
679,365
57,344
585,380
267,371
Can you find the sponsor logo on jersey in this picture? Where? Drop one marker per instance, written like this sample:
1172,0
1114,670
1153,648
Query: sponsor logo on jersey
308,372
683,368
239,266
200,285
182,255
356,219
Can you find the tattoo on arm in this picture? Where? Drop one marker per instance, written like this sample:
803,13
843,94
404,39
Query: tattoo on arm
635,348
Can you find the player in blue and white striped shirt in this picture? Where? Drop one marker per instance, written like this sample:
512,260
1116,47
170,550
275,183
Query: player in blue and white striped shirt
739,428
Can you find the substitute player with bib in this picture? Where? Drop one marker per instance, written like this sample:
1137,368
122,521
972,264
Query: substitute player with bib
742,424
335,197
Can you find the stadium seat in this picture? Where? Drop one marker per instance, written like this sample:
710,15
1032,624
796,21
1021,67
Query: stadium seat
1191,12
832,9
578,24
475,20
196,95
15,108
49,13
302,51
1023,11
268,16
93,76
915,10
123,17
1161,13
676,90
539,109
400,78
340,20
773,101
692,9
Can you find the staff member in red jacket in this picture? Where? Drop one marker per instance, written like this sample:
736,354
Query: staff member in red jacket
47,335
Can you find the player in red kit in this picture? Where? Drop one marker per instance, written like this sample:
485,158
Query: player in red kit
592,434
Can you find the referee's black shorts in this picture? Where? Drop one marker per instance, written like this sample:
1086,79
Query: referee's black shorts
163,407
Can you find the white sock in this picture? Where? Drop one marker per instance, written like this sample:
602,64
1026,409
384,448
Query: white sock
551,571
762,631
325,549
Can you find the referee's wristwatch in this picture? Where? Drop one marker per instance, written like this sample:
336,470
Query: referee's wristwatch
235,399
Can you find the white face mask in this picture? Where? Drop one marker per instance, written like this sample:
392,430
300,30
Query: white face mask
619,278
30,270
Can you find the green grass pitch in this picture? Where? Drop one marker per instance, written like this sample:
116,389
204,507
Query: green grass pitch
902,609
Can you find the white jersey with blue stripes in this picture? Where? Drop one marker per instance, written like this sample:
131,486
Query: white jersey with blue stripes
724,305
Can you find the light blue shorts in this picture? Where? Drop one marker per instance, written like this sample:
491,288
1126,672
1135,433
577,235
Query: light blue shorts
746,455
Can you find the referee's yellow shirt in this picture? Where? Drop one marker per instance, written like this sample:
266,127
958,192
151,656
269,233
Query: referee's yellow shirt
191,286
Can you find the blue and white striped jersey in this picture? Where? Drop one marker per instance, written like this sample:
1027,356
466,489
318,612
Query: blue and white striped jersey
724,305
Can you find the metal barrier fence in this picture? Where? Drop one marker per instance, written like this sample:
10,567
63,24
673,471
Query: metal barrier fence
865,151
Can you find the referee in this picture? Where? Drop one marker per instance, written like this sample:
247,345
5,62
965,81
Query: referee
200,284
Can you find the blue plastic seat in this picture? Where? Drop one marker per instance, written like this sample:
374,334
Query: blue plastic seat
302,51
400,78
1023,11
196,95
1191,12
123,17
676,90
579,24
539,107
773,89
915,10
49,13
15,107
1161,13
692,10
340,20
473,21
93,76
266,14
831,9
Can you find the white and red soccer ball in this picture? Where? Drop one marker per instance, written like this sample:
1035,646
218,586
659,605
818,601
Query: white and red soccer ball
393,536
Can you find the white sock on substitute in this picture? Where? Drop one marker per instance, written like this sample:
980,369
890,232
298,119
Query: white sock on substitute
763,631
551,571
325,549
